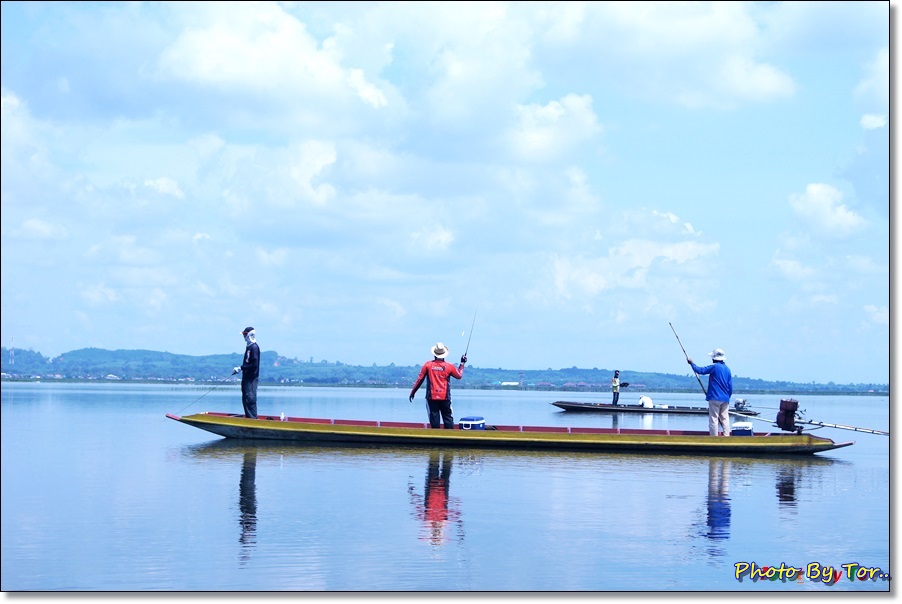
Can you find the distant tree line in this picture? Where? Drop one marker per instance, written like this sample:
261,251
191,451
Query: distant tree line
148,365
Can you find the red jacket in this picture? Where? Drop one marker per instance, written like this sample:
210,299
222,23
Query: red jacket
438,388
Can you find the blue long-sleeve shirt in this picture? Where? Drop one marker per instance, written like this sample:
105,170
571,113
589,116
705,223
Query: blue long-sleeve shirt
720,381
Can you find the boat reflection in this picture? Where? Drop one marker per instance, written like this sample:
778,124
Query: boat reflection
247,504
787,481
435,508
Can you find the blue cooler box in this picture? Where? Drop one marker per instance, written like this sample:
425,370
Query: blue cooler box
741,429
472,423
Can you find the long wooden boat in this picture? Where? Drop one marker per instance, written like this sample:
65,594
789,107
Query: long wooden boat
559,438
669,409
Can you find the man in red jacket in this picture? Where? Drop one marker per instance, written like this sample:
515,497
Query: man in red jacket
438,386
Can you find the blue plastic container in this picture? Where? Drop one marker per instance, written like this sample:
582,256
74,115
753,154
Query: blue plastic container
741,429
472,423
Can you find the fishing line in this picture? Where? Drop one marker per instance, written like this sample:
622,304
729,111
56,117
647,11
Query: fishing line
215,386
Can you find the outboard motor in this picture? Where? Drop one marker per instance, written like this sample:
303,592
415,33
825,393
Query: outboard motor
786,417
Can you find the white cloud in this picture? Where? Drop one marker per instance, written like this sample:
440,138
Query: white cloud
874,86
395,309
545,131
698,55
100,294
862,265
821,207
369,93
40,229
254,46
312,159
626,266
749,80
873,122
792,270
877,314
437,239
273,258
166,186
673,219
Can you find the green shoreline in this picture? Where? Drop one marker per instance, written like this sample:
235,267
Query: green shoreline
271,384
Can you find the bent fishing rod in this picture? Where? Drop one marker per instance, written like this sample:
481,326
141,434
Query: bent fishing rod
687,358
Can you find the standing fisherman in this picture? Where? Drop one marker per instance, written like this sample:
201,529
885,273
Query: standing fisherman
250,373
438,387
720,389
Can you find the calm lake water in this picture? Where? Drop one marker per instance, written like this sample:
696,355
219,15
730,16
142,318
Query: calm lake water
100,492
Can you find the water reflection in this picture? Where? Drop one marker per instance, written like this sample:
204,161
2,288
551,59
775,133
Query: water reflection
788,478
718,500
435,508
247,504
715,530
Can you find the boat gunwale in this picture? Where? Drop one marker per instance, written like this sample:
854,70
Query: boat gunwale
324,430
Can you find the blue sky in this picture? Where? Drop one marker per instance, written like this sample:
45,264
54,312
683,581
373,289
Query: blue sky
359,180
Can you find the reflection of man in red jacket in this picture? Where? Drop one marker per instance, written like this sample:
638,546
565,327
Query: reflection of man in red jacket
438,387
435,510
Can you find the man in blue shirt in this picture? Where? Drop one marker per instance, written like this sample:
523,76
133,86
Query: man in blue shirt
720,389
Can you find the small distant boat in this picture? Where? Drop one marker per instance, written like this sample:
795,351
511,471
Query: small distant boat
557,438
740,407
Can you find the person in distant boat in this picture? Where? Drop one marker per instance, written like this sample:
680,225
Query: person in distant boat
616,385
250,373
720,389
438,385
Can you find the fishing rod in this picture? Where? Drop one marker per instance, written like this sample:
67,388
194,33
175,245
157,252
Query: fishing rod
471,332
687,358
855,429
798,420
215,386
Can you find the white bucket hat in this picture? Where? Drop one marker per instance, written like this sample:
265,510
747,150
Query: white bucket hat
717,354
440,351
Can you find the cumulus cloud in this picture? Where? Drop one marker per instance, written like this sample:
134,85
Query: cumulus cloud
673,219
546,131
821,207
793,270
274,257
626,265
99,294
166,186
873,89
697,55
437,239
873,122
40,229
755,81
311,159
877,314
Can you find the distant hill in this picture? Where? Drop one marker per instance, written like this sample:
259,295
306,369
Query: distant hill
148,365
